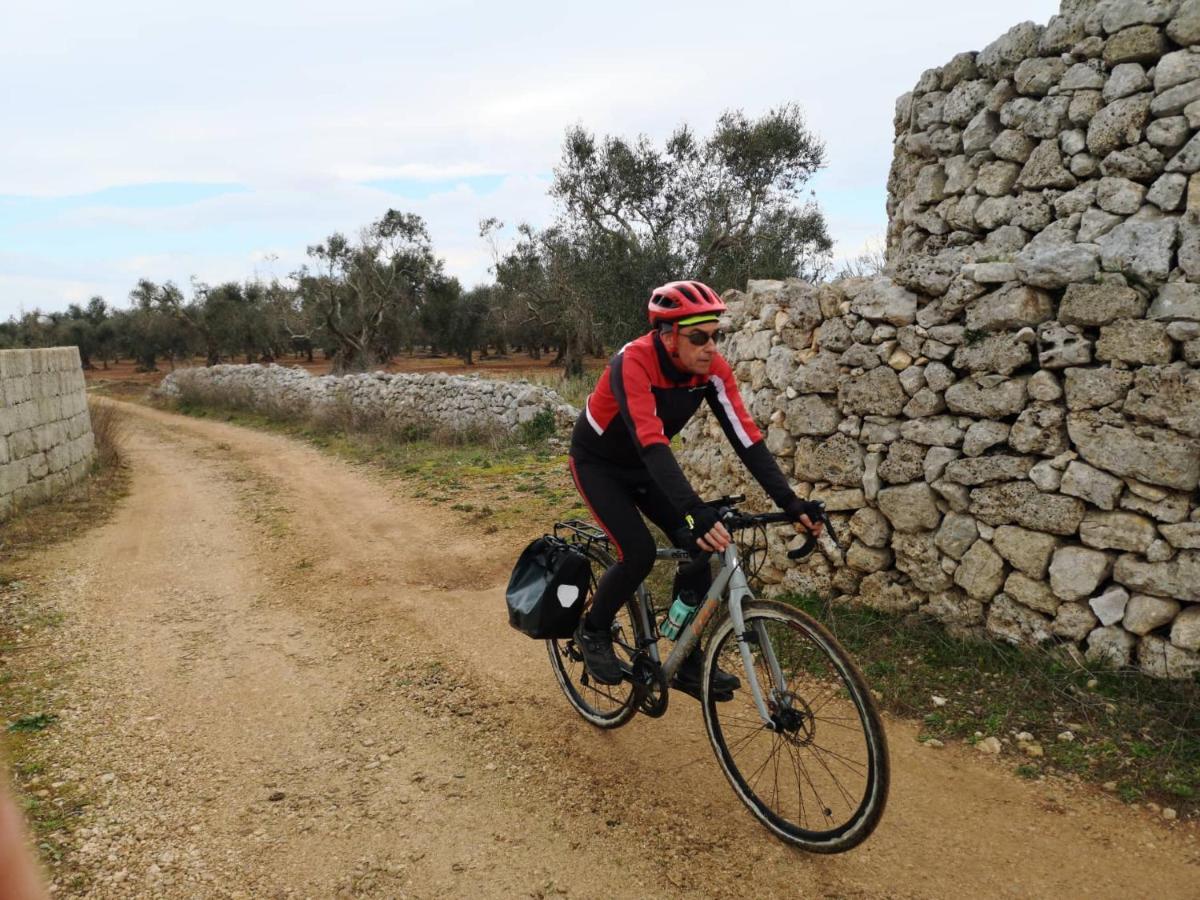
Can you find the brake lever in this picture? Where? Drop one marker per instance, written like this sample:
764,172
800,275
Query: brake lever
810,539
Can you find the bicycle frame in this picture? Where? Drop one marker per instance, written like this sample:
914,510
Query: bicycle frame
730,579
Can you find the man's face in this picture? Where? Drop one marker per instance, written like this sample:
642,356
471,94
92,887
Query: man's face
692,358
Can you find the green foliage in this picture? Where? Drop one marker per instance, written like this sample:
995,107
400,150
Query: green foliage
540,427
632,216
1140,733
367,294
38,722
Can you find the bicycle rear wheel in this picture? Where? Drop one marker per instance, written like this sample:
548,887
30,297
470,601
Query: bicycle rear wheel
818,776
604,705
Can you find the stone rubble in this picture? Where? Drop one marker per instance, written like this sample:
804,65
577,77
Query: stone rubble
399,402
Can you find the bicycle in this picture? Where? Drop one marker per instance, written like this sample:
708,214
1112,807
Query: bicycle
803,707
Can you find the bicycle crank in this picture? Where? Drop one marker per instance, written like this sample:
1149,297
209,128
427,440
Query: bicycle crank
651,686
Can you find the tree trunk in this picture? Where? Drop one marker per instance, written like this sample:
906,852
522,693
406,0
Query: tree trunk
571,356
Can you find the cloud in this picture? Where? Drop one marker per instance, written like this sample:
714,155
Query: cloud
310,108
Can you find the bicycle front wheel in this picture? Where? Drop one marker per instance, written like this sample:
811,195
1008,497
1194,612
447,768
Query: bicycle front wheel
817,774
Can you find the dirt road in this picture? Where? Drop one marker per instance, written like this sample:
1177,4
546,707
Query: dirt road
293,681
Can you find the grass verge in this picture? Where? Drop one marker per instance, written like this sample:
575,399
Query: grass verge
519,482
1137,736
34,680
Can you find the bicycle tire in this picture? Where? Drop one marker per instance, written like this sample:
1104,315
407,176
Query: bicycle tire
605,706
826,674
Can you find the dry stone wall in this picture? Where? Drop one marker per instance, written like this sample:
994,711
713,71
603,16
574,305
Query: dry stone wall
45,432
400,402
1007,422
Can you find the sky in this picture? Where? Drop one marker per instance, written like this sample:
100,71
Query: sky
217,141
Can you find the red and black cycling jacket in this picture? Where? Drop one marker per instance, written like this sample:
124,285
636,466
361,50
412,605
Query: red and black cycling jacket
642,400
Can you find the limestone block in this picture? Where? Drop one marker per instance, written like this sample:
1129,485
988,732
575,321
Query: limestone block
1056,265
938,431
1169,507
984,469
1031,592
954,609
905,461
981,571
1178,301
1147,453
1184,28
886,301
1013,306
1093,388
1073,621
1041,429
1109,606
987,396
1028,551
863,558
1046,476
1167,395
871,527
1168,191
956,534
880,591
1076,572
936,460
1140,249
1060,346
1001,353
1021,503
837,459
982,435
1100,304
1178,579
811,414
1117,531
1090,484
1139,43
1144,613
1010,621
1161,659
877,392
1111,647
910,507
917,557
1183,535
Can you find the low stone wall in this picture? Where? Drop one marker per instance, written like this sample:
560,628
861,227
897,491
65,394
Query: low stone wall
399,402
985,473
45,432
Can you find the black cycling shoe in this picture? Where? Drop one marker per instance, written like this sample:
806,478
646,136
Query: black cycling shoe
689,679
598,655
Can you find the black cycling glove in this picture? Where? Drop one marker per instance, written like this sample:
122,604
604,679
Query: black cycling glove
700,520
814,509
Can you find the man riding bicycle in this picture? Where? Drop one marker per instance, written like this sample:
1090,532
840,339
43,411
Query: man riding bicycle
623,467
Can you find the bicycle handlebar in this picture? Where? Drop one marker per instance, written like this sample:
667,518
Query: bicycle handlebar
735,520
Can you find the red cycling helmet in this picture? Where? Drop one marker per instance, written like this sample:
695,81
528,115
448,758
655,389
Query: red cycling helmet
684,303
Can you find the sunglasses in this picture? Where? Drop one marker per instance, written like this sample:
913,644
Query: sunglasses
700,338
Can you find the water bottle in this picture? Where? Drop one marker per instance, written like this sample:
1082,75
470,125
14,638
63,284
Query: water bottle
680,614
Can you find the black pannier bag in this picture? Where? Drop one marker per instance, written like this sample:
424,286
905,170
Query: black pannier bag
548,588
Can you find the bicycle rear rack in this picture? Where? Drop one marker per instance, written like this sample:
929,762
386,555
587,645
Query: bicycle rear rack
577,531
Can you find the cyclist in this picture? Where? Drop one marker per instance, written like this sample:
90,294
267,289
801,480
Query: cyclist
622,464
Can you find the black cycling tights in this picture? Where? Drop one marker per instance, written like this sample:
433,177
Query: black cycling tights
616,497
